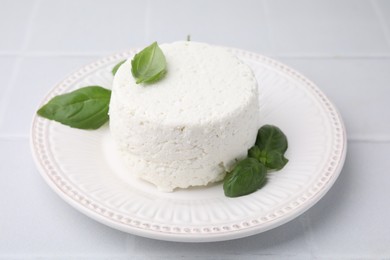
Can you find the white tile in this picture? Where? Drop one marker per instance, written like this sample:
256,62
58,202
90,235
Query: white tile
6,68
233,23
358,87
14,19
34,221
286,241
383,9
331,27
352,220
88,25
35,78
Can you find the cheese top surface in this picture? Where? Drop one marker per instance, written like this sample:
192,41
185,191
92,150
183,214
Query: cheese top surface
203,83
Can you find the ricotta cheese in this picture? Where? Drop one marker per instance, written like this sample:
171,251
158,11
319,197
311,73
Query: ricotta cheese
189,128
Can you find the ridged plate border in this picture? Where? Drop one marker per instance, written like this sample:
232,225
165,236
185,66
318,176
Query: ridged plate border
170,232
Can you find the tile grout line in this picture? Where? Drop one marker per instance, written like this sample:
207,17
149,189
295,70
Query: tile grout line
308,235
379,14
329,56
14,136
16,66
54,54
270,54
50,256
369,138
130,244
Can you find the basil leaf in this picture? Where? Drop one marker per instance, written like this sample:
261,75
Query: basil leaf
116,67
246,177
254,152
149,65
271,138
275,160
157,77
271,144
84,108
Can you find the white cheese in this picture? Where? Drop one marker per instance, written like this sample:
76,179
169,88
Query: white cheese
190,127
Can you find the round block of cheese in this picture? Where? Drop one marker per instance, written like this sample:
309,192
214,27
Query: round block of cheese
189,128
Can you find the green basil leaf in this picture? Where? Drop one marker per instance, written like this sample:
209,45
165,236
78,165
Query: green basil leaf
116,67
246,177
275,160
271,138
149,65
84,108
254,152
271,144
157,77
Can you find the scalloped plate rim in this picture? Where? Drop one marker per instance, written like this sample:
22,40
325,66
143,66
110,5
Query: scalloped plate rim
194,237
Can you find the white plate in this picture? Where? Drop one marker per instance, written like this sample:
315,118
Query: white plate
84,169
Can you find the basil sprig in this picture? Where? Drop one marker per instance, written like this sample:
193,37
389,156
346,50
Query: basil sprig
249,174
271,144
149,65
116,67
84,108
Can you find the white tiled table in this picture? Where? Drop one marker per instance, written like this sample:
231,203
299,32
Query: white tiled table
343,46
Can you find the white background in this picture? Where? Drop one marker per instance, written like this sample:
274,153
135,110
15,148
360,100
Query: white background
343,46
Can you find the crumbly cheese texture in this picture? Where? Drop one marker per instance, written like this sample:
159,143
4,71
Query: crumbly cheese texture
189,128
